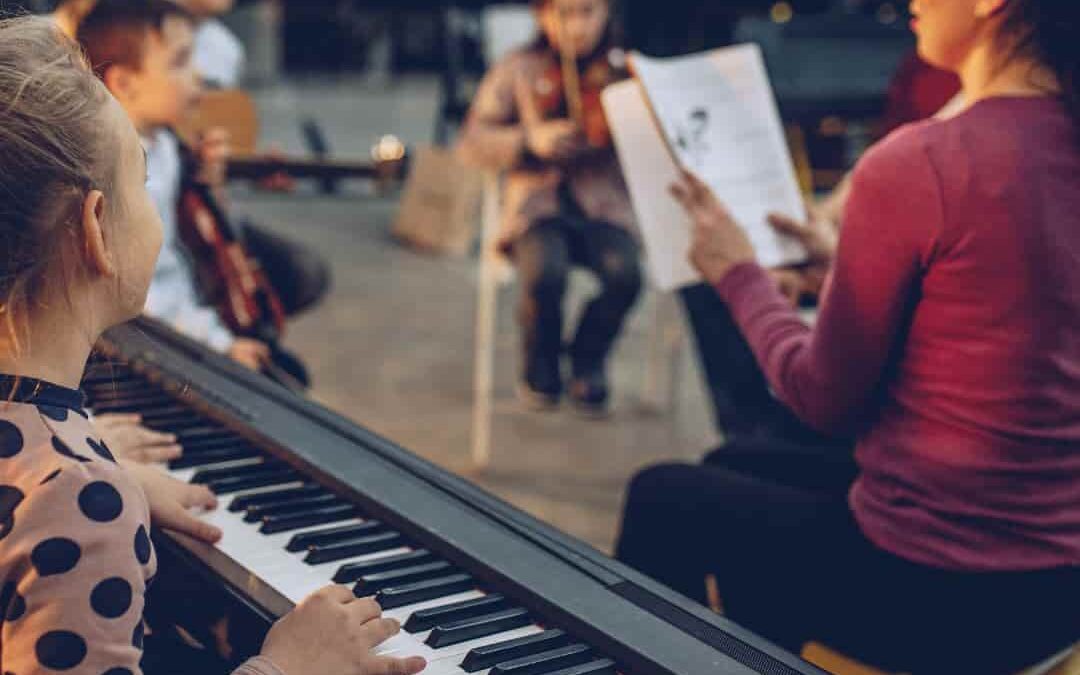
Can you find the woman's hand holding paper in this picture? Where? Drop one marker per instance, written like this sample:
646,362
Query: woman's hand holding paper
817,235
719,243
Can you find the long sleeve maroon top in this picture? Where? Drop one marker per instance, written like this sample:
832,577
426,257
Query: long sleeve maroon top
948,342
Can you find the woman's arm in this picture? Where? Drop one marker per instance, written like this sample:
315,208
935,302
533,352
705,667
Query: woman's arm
829,375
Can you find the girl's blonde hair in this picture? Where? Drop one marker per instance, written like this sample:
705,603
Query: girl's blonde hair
51,155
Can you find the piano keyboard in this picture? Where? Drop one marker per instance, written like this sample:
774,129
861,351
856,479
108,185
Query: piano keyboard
307,498
298,537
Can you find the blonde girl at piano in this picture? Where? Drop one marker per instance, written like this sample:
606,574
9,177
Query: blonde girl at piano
564,204
79,238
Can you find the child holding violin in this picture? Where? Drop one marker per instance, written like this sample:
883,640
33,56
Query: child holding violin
537,116
143,51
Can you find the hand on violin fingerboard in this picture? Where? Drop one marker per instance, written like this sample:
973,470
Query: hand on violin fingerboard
212,151
549,140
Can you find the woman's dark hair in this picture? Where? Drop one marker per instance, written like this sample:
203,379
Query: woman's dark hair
1049,30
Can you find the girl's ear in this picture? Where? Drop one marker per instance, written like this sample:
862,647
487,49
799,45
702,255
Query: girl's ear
98,256
120,81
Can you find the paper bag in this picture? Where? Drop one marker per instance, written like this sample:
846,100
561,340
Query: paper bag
439,205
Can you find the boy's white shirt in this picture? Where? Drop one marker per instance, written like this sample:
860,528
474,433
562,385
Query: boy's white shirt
173,297
219,56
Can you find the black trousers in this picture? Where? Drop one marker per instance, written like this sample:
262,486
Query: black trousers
768,516
300,276
791,564
544,256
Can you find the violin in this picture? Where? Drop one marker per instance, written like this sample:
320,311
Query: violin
572,88
230,279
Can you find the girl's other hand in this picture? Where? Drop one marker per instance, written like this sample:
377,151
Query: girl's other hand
129,439
171,502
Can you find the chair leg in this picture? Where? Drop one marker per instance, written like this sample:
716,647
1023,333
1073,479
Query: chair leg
663,366
486,318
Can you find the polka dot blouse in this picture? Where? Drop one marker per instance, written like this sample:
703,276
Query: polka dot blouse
75,550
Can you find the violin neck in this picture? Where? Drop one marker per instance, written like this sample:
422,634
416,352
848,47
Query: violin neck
571,78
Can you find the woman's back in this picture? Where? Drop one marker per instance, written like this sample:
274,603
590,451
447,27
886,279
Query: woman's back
974,458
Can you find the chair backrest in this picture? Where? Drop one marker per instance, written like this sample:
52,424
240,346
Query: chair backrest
230,109
506,27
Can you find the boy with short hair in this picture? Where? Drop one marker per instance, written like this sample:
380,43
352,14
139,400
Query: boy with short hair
142,50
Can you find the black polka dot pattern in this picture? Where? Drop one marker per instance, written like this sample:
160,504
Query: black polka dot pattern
60,650
100,502
111,598
10,498
100,449
53,412
16,609
6,594
55,556
142,545
64,450
11,440
137,636
118,671
52,475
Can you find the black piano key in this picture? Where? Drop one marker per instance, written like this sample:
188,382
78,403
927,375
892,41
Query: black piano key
305,540
487,656
546,662
226,486
172,410
119,387
194,459
476,627
422,591
350,548
256,513
126,405
174,424
426,619
104,373
204,476
208,444
295,521
350,572
242,502
207,432
594,667
370,584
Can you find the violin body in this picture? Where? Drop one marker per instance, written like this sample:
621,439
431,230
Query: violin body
593,76
230,279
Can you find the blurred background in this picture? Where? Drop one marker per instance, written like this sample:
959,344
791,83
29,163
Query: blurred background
399,344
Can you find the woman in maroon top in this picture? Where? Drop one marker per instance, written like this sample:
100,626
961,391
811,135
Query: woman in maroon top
947,348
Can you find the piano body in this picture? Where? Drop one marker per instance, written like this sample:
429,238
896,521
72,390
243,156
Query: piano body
307,498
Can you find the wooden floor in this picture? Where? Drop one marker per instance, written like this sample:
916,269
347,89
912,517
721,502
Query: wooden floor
391,347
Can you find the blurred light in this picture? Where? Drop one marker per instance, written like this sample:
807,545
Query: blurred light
388,149
887,13
782,12
833,126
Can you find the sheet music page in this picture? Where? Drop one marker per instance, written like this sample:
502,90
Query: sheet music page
719,119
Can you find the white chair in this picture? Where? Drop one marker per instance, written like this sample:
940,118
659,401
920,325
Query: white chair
661,377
